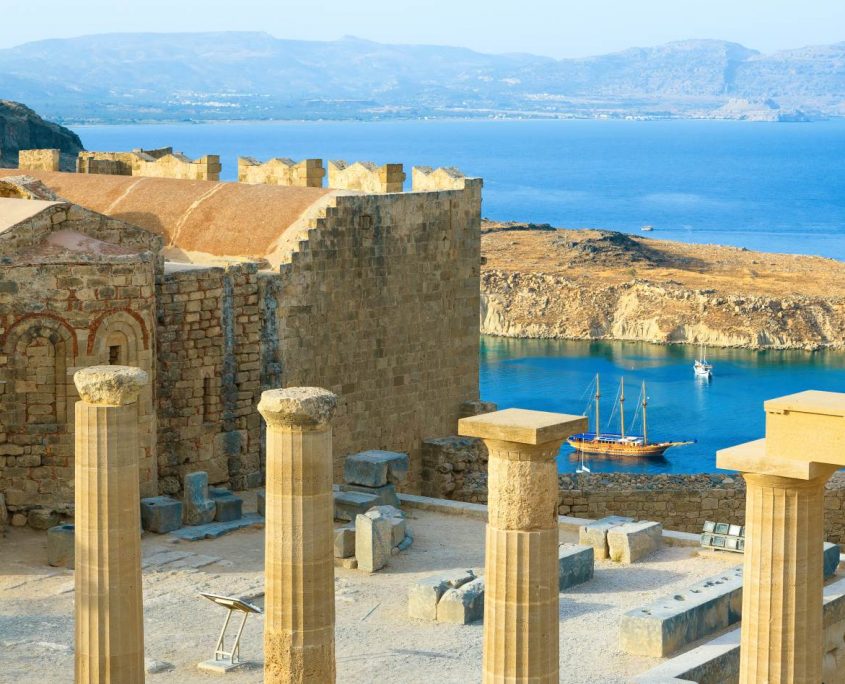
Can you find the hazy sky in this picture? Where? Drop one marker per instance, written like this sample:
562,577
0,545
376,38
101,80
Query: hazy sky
560,28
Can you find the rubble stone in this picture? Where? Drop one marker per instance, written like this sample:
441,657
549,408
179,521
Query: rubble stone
462,605
632,541
375,468
161,514
372,540
60,546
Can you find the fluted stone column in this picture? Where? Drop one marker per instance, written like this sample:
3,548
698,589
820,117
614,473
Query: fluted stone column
299,560
109,617
521,613
785,473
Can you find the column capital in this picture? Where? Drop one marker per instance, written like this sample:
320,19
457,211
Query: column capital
301,408
521,426
109,385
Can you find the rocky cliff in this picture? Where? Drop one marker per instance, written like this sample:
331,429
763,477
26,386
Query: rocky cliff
22,129
603,285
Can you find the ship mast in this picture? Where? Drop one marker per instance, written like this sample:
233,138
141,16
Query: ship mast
598,396
645,422
622,406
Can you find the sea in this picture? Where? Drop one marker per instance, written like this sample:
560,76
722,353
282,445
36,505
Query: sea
776,187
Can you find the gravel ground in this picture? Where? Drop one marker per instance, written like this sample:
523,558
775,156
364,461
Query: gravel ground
376,641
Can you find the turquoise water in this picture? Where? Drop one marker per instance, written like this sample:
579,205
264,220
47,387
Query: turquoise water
770,186
552,375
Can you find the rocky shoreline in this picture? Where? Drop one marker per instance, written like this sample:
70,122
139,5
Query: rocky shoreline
539,282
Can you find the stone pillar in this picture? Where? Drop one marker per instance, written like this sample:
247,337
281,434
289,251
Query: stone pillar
521,623
109,616
782,632
299,551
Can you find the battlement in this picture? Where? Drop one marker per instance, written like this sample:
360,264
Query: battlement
39,160
366,177
307,173
158,163
426,179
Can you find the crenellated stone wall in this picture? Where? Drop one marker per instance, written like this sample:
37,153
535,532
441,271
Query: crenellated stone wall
282,171
366,176
158,163
426,179
39,160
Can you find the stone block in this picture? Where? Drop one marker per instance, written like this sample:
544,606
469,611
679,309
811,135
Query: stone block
218,529
199,507
385,495
348,505
372,541
60,546
595,534
42,518
344,541
463,605
397,531
261,500
425,593
831,559
161,514
375,468
227,506
633,541
576,563
670,623
4,513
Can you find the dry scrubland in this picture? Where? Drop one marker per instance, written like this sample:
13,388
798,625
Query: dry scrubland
592,284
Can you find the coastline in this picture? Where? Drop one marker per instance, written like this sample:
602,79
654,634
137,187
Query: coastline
541,282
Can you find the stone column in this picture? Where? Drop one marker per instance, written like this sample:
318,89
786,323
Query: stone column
782,635
521,613
782,631
109,616
299,557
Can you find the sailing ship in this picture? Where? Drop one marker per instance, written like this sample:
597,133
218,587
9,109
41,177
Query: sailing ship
621,444
702,367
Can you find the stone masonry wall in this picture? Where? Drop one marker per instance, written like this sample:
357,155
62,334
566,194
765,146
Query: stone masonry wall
281,171
39,160
179,166
380,306
59,311
366,176
209,375
456,468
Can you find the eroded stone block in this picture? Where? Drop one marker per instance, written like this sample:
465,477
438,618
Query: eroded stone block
261,500
42,518
199,508
576,563
372,540
595,534
161,514
831,559
348,505
344,541
630,542
425,593
227,506
375,468
60,546
385,495
668,624
462,605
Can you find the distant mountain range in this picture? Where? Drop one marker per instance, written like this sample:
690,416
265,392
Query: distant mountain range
213,76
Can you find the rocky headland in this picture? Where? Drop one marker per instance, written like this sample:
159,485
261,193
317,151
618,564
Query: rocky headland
22,129
538,281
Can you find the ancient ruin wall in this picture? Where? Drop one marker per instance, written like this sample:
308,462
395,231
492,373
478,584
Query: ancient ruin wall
379,306
366,177
279,171
39,160
179,166
209,372
59,311
456,468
